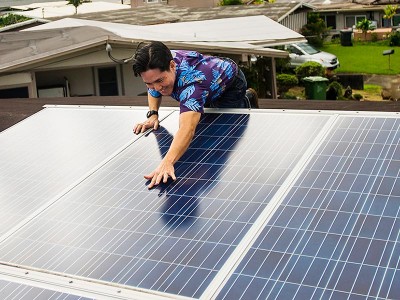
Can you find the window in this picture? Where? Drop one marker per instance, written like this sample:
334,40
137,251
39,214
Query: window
330,21
108,81
353,20
396,20
20,92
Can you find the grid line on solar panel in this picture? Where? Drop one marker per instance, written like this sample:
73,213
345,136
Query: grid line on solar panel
167,217
326,248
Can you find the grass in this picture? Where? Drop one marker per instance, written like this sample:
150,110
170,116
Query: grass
365,58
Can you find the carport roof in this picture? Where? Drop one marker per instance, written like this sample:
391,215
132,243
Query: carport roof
27,49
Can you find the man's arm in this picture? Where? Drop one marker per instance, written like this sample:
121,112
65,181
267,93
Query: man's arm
154,104
187,125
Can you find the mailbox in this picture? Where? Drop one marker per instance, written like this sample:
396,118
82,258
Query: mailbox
388,52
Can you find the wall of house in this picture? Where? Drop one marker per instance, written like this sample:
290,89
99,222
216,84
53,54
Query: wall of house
132,86
81,80
295,22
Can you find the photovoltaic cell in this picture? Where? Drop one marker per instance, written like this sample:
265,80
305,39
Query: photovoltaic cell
16,291
176,237
336,234
46,153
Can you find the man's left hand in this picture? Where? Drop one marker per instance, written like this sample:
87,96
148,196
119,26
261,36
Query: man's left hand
161,173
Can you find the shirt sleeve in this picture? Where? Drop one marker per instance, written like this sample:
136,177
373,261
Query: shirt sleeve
154,93
193,98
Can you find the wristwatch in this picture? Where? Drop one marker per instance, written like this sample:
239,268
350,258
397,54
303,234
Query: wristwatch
151,112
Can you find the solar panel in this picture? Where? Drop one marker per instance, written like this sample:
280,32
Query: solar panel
335,234
174,238
267,205
41,157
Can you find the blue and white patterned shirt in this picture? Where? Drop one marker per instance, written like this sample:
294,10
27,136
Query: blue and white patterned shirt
199,79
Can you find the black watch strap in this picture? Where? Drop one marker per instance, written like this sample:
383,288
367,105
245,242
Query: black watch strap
151,112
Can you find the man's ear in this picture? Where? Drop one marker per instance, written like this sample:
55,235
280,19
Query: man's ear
172,65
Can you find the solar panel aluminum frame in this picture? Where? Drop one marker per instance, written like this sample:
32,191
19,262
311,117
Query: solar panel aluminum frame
79,286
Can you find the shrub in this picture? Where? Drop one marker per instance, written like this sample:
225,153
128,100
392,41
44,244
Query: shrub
357,97
286,82
309,68
10,19
334,91
289,96
230,2
374,37
282,64
394,39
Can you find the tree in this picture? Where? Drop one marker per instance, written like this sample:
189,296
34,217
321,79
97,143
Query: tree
390,11
314,30
364,26
76,3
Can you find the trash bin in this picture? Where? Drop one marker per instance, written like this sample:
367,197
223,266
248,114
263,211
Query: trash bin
315,87
345,37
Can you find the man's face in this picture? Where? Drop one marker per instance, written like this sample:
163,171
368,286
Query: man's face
162,82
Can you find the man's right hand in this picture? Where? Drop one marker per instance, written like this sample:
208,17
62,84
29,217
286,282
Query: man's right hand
151,122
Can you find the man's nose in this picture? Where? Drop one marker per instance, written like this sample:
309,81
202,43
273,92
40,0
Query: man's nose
158,87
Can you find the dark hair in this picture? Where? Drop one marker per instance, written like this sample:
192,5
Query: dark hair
154,55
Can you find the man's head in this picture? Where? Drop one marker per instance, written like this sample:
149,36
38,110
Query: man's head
154,63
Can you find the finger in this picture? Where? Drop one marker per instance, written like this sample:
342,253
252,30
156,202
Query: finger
154,182
138,128
135,128
165,177
144,128
173,176
156,124
149,176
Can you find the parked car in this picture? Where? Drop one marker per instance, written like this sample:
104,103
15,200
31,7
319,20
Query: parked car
300,53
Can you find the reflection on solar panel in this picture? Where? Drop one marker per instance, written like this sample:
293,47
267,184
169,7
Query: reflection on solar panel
267,205
42,156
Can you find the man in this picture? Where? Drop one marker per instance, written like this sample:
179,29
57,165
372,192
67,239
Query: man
196,81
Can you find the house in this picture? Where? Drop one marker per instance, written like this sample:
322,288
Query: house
338,14
68,57
347,15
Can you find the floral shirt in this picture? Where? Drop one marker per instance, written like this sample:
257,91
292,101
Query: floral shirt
199,79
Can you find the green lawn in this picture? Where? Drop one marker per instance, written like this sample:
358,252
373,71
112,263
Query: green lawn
365,58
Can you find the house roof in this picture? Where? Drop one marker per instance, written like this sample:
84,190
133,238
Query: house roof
62,8
160,13
348,5
22,50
